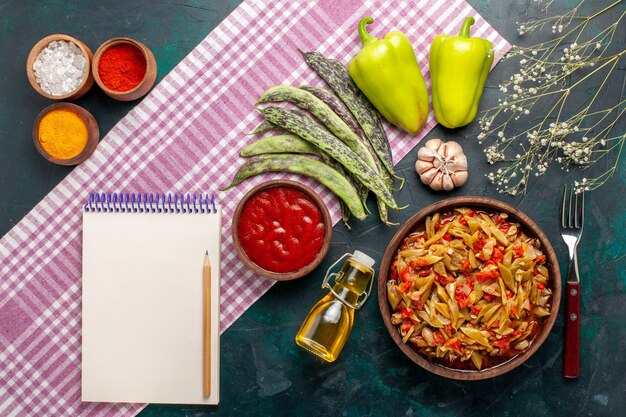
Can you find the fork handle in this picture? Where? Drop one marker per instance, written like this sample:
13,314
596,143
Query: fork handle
572,331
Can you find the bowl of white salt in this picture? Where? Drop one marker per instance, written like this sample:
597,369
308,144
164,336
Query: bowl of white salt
59,67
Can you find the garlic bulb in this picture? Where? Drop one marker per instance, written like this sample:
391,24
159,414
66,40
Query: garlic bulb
441,165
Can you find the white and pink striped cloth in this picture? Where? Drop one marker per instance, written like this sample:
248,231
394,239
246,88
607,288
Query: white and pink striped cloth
183,137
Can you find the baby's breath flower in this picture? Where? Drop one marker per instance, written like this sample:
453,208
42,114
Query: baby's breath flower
547,74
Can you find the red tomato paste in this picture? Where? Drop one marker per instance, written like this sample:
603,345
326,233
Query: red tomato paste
281,229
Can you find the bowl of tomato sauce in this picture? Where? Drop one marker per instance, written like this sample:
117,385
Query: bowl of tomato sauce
281,230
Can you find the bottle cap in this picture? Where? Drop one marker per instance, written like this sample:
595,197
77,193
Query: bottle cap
363,258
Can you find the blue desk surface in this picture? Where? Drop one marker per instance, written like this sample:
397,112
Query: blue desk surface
263,371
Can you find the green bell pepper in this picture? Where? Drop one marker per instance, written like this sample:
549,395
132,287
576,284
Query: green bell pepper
386,71
459,66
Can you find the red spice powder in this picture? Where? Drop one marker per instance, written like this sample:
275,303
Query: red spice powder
122,67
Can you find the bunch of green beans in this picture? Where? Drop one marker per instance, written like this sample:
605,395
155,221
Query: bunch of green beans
334,136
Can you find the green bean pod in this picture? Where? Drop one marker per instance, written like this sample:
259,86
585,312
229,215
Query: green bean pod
290,143
361,190
332,101
307,101
382,209
345,214
263,127
342,111
336,105
304,165
338,78
287,143
304,126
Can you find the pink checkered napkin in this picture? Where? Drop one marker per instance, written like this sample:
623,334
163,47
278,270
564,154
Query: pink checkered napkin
184,137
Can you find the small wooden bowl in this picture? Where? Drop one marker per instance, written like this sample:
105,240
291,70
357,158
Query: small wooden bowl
146,83
92,131
487,204
287,276
40,46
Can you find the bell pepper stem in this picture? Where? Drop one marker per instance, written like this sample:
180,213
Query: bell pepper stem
465,28
366,38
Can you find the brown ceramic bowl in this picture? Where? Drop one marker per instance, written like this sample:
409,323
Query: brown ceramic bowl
143,87
92,131
489,205
40,46
287,276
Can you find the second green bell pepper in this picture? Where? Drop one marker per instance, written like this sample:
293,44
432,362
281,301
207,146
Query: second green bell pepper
459,66
386,71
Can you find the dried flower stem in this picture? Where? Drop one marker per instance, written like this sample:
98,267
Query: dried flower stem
550,76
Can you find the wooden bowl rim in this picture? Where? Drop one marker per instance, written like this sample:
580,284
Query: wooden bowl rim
93,132
529,226
150,67
284,276
36,50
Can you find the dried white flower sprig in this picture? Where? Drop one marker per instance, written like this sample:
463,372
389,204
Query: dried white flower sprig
558,22
570,132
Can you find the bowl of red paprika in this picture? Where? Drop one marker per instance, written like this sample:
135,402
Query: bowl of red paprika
281,230
125,69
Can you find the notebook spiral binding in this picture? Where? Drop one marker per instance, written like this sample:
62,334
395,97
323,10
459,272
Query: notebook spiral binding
150,203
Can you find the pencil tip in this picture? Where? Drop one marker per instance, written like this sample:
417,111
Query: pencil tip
207,252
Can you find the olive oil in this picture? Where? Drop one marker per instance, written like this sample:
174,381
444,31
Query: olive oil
326,328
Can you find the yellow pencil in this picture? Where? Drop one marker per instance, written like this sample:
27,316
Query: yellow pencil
206,272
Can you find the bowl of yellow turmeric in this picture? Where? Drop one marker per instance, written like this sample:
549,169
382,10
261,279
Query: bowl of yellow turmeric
65,134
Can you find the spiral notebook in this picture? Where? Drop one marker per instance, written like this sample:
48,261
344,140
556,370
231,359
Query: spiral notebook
143,301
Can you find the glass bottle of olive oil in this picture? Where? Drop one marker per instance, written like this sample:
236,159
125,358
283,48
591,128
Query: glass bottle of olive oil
327,326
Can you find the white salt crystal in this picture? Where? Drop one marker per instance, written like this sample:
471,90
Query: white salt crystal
60,68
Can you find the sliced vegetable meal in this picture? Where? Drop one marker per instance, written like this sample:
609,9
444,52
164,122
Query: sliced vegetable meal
470,290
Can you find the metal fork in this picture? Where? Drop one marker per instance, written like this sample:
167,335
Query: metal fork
572,221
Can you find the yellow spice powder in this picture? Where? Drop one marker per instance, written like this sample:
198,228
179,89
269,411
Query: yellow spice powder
63,133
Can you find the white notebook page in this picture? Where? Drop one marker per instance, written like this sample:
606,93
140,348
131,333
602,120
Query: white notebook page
142,311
